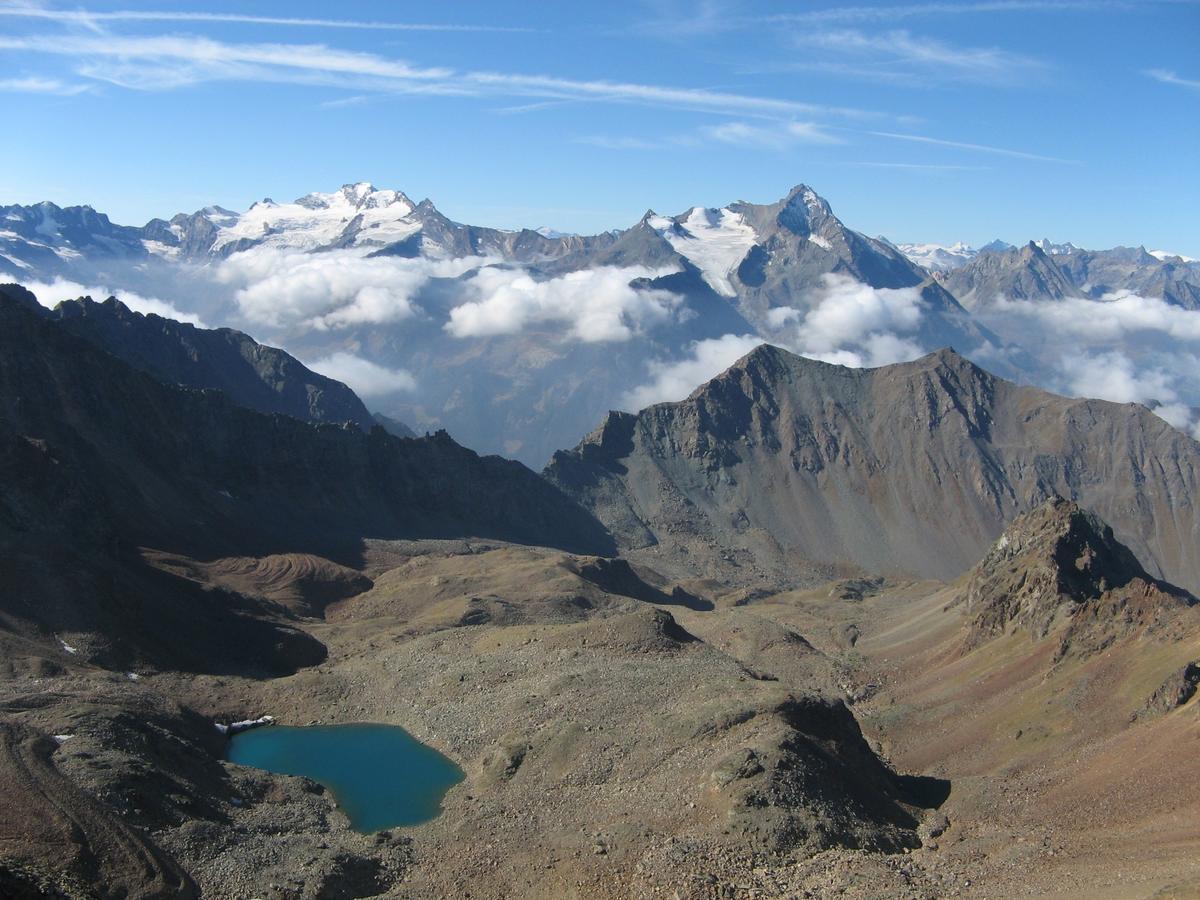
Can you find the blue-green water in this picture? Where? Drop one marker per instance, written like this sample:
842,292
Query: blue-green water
380,775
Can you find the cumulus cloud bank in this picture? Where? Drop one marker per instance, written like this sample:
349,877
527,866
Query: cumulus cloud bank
854,324
847,323
593,305
1123,347
50,293
1113,317
675,380
365,378
336,289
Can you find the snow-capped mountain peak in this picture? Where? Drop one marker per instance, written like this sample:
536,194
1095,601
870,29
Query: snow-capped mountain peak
813,202
939,257
355,214
1048,246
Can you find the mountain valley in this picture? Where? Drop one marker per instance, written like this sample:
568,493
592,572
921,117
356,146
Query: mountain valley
723,648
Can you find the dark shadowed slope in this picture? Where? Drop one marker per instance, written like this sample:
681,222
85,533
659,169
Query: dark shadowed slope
98,459
911,468
251,374
193,467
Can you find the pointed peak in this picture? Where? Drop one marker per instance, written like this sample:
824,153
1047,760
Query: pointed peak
357,191
802,194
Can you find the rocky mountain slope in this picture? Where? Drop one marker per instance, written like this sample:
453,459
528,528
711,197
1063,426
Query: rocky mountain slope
173,559
914,468
1022,273
1053,686
252,375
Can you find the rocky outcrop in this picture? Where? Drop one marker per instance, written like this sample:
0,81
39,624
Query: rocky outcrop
914,468
1176,690
814,783
1059,566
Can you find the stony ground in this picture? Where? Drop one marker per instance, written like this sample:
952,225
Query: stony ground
620,748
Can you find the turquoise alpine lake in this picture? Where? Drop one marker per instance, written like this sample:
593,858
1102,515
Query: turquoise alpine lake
380,775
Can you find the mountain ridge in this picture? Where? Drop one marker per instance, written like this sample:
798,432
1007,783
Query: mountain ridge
253,375
784,459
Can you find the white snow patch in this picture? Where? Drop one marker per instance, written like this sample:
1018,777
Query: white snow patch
48,226
158,248
1167,254
821,241
713,240
61,739
939,257
1053,249
318,220
67,646
244,725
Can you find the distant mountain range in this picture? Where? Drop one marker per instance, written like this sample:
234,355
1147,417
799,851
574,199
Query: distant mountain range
517,341
1041,270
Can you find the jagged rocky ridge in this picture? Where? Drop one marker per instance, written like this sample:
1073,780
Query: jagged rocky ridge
914,468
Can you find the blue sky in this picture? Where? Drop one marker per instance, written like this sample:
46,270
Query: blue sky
921,121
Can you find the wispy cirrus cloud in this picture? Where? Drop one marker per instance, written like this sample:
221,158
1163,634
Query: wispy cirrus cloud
94,20
36,85
773,137
172,61
627,142
761,135
713,18
902,56
205,59
886,13
918,167
1169,77
978,148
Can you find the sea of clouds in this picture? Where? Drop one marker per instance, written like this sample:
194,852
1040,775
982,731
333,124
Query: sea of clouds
1120,347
